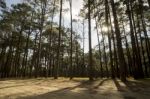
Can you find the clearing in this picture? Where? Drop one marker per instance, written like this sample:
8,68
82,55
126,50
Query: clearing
78,88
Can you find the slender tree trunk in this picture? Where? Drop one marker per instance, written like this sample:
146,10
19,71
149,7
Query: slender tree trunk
129,58
105,54
119,44
116,67
90,42
71,67
50,40
109,37
148,2
2,59
101,66
83,65
140,69
56,70
137,71
142,47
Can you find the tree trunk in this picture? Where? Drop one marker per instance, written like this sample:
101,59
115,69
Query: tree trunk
90,42
119,44
56,70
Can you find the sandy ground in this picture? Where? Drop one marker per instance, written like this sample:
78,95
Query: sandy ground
78,88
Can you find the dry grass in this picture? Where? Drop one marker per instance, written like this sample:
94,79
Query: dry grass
78,88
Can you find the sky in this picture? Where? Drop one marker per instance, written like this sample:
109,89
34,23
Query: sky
9,2
77,5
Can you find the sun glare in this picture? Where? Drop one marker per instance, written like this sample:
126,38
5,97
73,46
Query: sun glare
104,29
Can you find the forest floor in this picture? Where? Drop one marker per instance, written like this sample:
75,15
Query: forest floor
78,88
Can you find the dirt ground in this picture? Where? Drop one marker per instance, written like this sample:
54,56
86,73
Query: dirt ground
78,88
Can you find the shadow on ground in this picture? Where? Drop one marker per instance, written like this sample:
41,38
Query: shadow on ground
83,89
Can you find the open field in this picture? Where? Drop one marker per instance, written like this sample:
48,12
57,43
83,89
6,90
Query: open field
78,88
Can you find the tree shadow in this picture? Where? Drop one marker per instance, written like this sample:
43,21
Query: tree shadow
87,90
131,89
118,86
101,83
12,86
139,87
85,87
